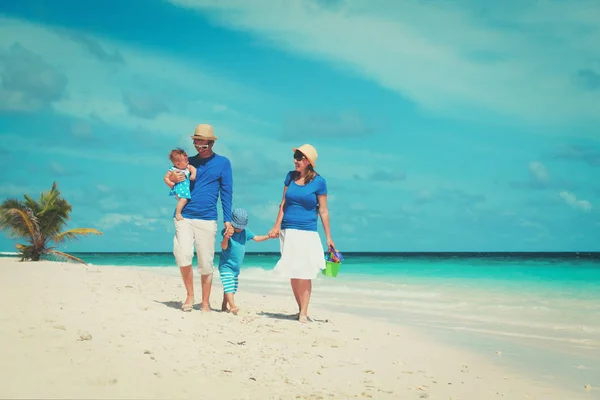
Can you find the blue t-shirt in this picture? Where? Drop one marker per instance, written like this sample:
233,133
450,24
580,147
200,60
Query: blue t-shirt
233,256
213,177
301,203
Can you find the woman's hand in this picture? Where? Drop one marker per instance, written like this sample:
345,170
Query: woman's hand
274,233
330,244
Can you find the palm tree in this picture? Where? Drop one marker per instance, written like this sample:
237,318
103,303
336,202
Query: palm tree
40,222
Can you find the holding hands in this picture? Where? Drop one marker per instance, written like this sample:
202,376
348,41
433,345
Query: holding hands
274,233
228,229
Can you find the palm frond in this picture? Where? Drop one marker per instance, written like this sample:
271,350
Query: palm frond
65,256
11,203
22,223
53,211
72,234
7,219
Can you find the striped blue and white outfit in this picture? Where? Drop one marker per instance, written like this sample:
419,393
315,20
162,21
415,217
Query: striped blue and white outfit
232,258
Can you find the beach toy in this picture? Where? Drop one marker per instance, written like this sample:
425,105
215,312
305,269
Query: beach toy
333,261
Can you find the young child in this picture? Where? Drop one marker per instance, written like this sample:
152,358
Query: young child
180,190
232,256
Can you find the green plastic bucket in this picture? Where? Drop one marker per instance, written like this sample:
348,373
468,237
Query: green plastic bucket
331,269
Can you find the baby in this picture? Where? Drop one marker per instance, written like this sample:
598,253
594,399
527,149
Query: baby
232,255
180,190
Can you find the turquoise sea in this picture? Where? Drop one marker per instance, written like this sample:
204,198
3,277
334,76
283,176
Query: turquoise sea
534,312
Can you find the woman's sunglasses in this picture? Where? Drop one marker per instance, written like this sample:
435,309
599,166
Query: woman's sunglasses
299,156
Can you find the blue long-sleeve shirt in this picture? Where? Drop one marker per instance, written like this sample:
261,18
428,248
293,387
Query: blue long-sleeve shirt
213,178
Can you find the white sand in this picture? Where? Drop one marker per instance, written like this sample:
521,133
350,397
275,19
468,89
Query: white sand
69,331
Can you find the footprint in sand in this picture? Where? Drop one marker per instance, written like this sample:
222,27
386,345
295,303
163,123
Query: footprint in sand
105,382
84,335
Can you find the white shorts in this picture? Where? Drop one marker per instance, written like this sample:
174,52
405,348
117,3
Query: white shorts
198,232
302,255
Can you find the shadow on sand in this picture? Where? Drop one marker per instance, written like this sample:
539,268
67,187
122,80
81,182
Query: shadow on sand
177,305
289,317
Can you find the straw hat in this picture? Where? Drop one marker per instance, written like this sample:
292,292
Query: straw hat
309,151
204,132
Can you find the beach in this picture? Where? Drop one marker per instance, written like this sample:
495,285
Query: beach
74,331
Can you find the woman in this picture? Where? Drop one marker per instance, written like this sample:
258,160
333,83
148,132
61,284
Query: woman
304,198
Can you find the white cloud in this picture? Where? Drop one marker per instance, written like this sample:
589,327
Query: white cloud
265,212
110,221
423,196
27,82
347,228
572,200
82,130
529,224
10,190
539,171
144,106
58,169
445,56
347,124
135,93
20,143
97,85
220,108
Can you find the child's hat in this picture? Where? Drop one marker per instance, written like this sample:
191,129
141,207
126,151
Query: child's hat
239,218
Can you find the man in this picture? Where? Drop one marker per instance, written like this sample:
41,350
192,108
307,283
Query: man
199,224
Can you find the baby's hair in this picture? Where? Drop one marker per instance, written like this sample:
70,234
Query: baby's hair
177,154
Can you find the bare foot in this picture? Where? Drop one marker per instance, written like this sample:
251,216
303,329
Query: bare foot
205,308
188,304
224,307
178,217
235,311
303,319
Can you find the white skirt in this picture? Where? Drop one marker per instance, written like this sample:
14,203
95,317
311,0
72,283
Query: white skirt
302,254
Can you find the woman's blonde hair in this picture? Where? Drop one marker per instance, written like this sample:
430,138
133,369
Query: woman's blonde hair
310,174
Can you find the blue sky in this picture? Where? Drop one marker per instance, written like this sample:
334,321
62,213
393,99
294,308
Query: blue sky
440,125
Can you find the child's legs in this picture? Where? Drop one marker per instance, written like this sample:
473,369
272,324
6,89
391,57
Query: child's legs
229,298
229,279
180,204
224,303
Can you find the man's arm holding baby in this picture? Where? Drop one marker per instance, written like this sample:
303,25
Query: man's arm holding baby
167,179
174,177
192,170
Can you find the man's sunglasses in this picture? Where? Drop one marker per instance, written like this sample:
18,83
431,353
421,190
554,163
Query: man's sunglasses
299,156
201,146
